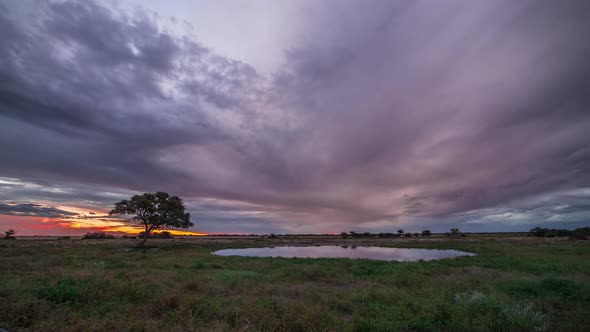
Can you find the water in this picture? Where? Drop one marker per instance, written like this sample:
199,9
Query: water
378,253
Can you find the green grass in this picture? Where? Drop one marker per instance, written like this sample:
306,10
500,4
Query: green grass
177,285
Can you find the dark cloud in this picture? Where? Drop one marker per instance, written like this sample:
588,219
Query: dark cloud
34,210
388,113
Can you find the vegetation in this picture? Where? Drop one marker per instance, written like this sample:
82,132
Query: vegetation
129,237
97,236
9,234
400,233
513,284
455,232
154,211
156,235
581,233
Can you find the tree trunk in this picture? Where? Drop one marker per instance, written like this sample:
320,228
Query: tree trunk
146,234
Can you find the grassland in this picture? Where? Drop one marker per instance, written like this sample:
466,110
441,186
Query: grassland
513,284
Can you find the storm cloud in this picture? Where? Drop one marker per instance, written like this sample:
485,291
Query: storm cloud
382,114
34,210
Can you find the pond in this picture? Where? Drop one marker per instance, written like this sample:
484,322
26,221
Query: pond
377,253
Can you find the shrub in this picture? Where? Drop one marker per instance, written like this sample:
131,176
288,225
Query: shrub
97,236
163,235
546,232
155,235
129,237
426,232
64,238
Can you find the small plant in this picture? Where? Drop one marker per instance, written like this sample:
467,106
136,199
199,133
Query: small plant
426,232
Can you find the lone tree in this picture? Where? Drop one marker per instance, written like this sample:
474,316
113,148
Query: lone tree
154,211
9,234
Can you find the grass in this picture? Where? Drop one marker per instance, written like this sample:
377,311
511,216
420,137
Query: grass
513,284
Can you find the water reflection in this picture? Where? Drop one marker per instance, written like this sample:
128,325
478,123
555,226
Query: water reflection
378,253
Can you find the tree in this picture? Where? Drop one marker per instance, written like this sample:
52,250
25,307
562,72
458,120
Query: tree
400,231
9,234
426,232
154,211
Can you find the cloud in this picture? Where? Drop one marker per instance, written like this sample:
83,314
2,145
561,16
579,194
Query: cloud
394,113
34,210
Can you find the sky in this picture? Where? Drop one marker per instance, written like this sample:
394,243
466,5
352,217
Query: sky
296,116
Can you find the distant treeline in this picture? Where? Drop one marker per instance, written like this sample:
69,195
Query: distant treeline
399,233
582,232
103,236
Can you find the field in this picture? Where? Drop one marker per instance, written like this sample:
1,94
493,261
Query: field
513,284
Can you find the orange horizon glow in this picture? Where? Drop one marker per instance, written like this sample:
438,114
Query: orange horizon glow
43,226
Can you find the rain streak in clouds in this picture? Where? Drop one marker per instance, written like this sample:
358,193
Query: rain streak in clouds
382,114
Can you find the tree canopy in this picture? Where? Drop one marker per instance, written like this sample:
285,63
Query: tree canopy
154,211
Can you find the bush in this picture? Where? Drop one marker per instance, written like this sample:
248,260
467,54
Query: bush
129,237
162,235
154,235
580,233
426,232
64,238
97,236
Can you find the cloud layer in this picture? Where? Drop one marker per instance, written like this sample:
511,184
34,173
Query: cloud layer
413,114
